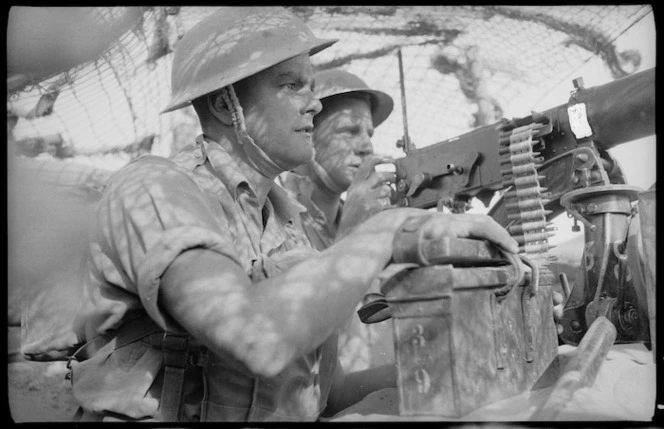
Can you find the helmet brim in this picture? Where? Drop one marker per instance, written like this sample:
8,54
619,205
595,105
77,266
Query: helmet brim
319,45
381,103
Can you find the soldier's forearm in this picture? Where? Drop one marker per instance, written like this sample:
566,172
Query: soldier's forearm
270,323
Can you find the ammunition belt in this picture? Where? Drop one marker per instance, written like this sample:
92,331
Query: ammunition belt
525,199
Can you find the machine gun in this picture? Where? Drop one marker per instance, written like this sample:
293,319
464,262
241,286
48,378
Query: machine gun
547,163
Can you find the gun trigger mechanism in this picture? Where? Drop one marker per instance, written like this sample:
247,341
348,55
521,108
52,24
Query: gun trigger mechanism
419,180
430,167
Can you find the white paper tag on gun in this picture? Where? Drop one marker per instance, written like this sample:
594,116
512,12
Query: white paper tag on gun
578,121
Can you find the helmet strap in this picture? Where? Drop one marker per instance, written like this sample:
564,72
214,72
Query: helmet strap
325,178
256,157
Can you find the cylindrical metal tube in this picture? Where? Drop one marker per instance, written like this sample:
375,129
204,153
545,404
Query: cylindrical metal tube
581,370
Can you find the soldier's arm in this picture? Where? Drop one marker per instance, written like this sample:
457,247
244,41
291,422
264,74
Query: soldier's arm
268,324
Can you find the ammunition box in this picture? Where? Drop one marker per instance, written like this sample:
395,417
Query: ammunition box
459,345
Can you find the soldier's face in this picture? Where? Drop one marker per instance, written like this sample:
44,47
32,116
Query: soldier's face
279,106
343,137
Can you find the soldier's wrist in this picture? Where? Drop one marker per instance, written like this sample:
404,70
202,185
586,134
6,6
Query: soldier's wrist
408,240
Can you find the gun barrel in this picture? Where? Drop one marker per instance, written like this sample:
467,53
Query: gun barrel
582,369
618,112
622,110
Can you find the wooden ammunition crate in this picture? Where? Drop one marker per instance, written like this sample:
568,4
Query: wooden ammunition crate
459,346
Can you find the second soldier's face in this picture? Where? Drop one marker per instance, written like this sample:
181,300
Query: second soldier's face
343,137
279,106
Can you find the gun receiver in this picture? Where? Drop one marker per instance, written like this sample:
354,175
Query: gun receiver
469,165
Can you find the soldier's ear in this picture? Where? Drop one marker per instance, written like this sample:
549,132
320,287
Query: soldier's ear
219,108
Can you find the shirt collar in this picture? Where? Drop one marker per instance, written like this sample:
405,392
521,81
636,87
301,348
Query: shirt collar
304,187
226,168
285,207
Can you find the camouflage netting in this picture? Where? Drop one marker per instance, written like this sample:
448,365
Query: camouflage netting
463,66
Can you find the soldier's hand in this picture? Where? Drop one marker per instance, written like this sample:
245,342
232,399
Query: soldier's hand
558,305
469,225
369,193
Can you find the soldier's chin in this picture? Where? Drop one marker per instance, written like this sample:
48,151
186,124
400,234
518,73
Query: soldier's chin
301,158
345,180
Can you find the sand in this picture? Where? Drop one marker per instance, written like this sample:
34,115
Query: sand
624,390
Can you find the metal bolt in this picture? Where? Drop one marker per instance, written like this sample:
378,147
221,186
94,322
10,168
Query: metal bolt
582,157
401,185
578,83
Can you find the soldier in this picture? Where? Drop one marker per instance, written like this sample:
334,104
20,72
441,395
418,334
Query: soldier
344,162
203,301
343,152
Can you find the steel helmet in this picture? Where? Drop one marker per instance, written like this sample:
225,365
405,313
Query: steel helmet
234,43
331,83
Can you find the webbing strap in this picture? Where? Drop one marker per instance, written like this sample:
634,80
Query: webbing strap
174,349
130,332
175,363
171,394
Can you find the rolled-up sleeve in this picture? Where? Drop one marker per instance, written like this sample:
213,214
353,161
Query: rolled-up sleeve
151,213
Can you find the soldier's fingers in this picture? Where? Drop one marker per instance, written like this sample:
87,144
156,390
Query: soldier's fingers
378,178
367,167
374,192
557,312
476,226
490,230
557,298
385,191
385,203
558,305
